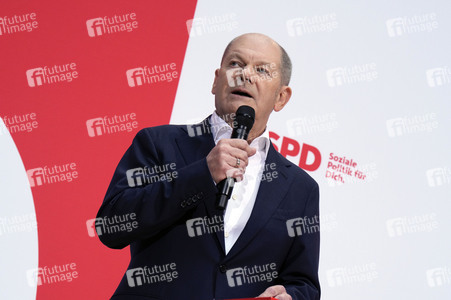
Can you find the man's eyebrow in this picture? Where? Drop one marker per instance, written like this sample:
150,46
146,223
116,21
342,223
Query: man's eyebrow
234,55
263,63
237,55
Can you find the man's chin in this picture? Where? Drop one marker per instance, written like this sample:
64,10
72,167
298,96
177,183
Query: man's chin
235,102
232,105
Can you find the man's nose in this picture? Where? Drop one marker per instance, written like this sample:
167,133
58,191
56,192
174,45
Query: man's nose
247,74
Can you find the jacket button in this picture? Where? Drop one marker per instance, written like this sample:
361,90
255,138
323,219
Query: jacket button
222,268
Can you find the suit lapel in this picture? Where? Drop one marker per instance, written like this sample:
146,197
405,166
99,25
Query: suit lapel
197,143
269,196
195,146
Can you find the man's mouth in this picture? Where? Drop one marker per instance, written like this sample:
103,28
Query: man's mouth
242,92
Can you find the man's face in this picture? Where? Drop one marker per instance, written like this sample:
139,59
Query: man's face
250,75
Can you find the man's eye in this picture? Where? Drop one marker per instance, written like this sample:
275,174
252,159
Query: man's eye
234,64
262,70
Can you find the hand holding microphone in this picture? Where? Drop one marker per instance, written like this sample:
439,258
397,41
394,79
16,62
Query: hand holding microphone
231,155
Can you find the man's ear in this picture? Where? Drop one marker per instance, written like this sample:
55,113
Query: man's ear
284,97
213,88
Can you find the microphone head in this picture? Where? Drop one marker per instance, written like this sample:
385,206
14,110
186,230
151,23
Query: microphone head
245,116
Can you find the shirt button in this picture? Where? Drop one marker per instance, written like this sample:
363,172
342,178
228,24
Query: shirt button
226,234
222,268
234,197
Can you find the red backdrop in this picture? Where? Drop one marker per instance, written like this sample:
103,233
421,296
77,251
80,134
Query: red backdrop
57,34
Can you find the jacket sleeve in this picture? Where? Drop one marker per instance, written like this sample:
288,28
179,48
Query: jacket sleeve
299,274
157,204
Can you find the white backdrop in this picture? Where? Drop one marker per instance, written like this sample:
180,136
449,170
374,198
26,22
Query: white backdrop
371,82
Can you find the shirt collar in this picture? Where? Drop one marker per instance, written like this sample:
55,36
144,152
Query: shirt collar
221,130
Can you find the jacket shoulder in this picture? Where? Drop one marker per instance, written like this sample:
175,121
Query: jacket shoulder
299,174
162,132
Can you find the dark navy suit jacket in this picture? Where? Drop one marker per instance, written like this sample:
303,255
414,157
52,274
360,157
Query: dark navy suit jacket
162,242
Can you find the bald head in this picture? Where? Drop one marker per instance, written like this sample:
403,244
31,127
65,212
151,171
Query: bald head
285,61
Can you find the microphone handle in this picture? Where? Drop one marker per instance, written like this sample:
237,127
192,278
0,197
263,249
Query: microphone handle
225,186
240,132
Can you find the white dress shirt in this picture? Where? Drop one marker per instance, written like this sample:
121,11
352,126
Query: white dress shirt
244,193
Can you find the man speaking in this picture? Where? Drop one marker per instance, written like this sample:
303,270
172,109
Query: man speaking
264,240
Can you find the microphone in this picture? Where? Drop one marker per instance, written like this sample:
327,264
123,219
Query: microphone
244,118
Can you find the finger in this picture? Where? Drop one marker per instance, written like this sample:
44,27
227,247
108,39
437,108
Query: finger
229,153
237,143
234,162
226,157
243,145
284,296
251,151
234,155
236,173
273,291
